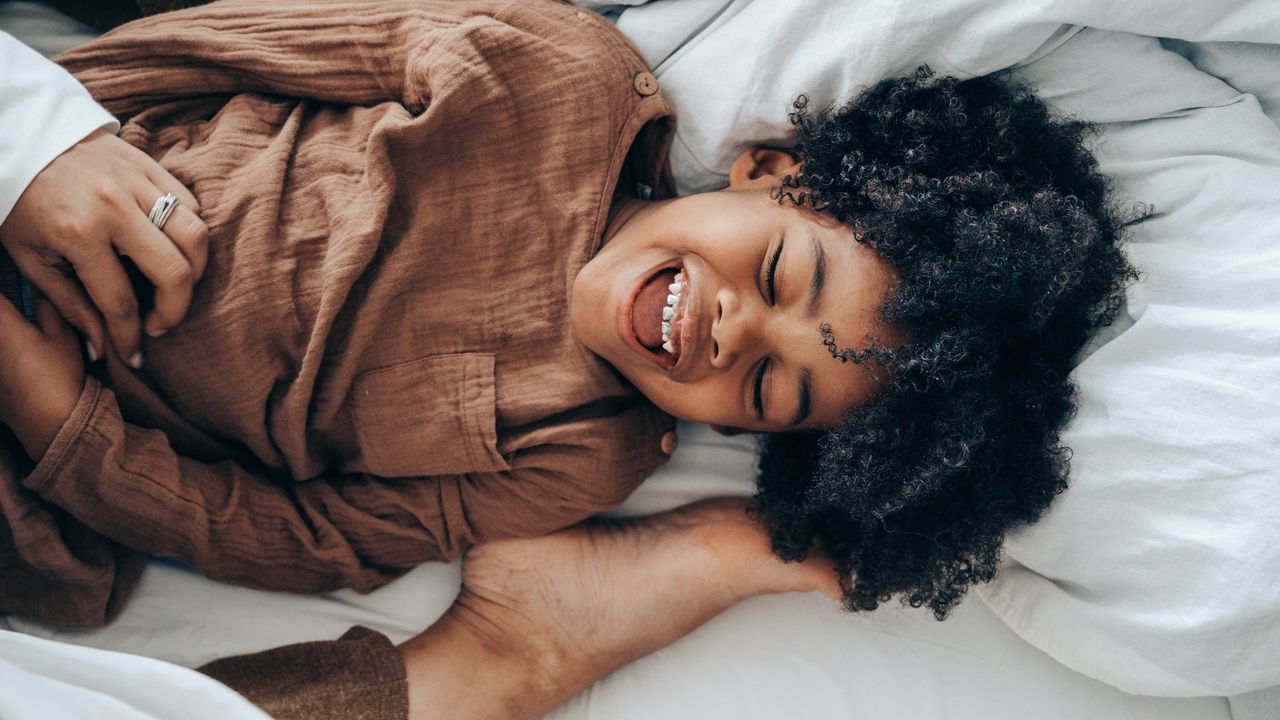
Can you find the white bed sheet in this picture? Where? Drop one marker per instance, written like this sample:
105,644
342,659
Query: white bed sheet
44,680
791,657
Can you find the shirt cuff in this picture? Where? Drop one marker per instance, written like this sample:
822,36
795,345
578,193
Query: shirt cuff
49,468
360,676
45,111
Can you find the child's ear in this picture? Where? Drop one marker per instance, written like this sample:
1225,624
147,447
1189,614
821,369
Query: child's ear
760,166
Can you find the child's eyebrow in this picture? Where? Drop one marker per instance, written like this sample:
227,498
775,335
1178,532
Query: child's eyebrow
806,399
819,279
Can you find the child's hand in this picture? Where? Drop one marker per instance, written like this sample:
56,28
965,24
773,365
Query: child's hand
41,374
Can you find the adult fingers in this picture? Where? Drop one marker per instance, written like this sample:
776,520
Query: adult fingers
191,235
105,280
817,572
73,304
164,265
185,227
166,182
820,571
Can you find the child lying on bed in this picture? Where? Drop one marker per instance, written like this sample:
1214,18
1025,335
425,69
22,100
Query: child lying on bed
448,301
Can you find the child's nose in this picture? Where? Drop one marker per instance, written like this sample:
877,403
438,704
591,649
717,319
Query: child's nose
733,331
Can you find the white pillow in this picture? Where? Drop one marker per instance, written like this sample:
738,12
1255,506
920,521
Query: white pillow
732,67
1159,570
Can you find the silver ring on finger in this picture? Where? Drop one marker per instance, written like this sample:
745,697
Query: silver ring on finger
162,209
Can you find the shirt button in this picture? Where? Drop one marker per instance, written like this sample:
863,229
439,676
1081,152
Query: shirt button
646,84
669,442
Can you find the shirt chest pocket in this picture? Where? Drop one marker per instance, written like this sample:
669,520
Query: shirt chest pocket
432,416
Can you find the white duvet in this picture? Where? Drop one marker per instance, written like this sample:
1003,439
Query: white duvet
1158,572
43,680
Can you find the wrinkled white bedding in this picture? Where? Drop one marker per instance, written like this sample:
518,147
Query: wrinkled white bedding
1163,558
1169,480
780,657
1159,570
732,67
40,680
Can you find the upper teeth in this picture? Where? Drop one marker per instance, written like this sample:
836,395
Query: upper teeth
676,290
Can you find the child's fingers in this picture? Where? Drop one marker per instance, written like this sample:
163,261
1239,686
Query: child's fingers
52,324
73,305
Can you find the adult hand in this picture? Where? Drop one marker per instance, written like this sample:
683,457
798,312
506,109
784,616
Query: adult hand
42,376
540,619
80,214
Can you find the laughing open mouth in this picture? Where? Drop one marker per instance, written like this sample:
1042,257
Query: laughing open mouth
658,313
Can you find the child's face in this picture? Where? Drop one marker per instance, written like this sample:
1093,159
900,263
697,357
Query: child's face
740,353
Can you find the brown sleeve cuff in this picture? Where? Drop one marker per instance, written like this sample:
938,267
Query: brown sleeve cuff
60,451
359,676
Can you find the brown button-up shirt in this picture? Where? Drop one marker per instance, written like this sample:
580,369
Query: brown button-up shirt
377,369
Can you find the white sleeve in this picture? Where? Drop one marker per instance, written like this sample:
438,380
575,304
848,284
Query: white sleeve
43,111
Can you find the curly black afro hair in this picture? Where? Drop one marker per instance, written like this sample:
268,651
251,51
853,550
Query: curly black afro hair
1007,249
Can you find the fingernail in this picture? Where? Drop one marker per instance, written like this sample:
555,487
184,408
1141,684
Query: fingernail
93,354
135,362
157,333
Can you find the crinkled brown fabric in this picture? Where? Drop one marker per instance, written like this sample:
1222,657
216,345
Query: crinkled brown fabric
360,676
47,558
375,370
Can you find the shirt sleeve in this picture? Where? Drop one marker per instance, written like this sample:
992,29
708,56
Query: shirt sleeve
257,527
43,112
360,676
